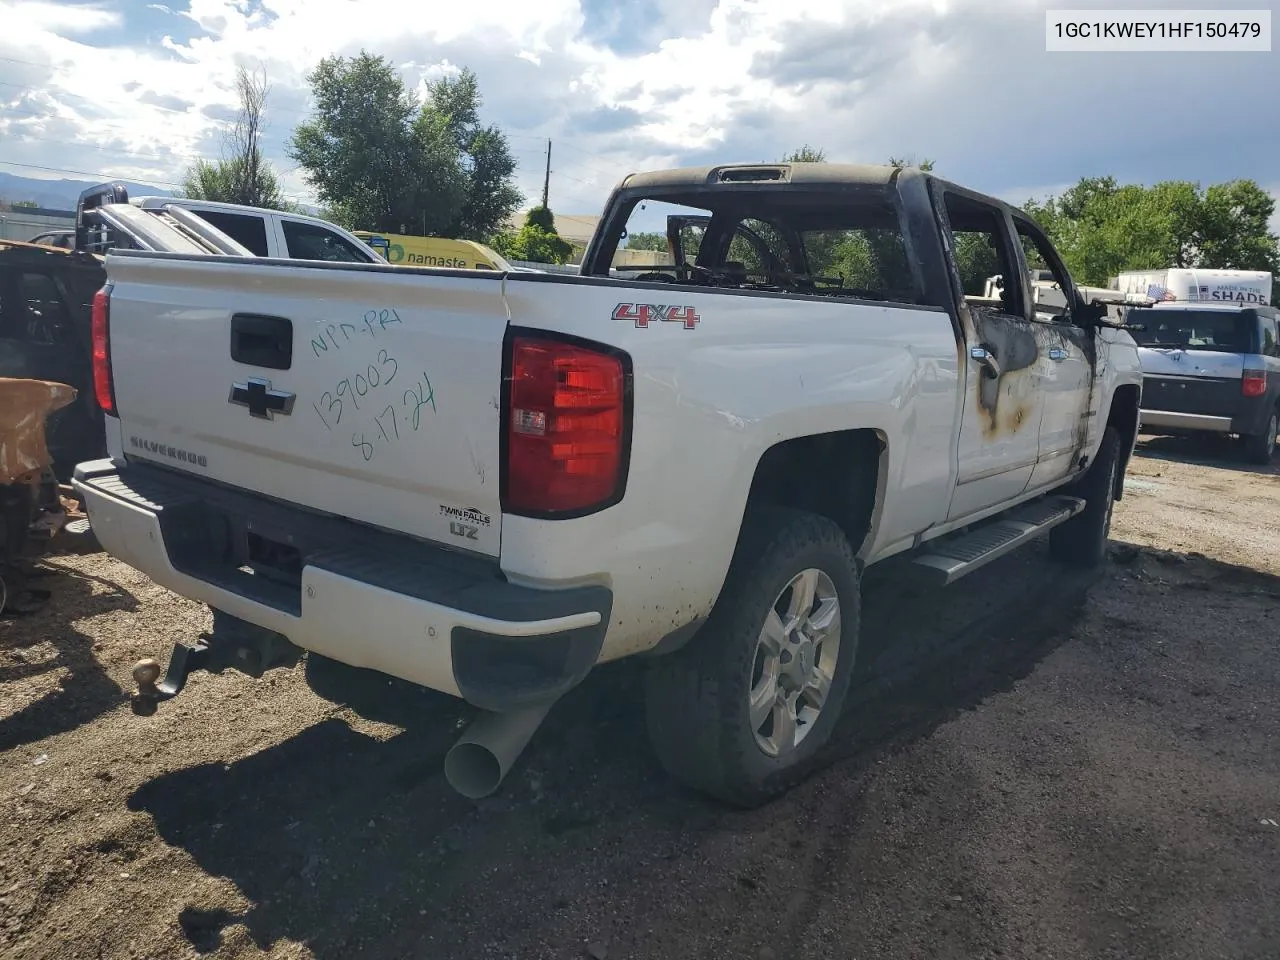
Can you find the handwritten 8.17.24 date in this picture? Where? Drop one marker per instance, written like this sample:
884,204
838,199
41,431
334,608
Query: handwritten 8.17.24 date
386,425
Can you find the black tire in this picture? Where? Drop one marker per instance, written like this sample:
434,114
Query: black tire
1261,447
1082,540
697,698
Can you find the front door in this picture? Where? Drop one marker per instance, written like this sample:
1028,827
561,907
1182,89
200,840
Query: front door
1069,357
1003,400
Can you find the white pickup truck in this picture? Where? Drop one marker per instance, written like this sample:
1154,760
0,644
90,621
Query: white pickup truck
487,484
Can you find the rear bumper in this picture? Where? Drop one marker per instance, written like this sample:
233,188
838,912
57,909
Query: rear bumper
1252,416
358,595
1172,420
1205,404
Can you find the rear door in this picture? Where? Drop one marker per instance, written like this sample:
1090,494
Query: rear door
370,393
1003,400
249,230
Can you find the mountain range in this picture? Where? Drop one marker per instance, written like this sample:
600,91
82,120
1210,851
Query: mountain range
63,194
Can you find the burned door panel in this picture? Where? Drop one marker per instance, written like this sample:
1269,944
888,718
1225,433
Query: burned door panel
1003,401
1003,406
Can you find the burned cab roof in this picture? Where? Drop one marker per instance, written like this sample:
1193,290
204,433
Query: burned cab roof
764,174
809,177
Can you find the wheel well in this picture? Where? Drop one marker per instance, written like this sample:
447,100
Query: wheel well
1124,417
835,474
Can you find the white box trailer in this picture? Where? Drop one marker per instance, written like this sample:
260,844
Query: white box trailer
1198,286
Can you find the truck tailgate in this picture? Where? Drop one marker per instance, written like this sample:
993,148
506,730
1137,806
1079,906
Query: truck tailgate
360,391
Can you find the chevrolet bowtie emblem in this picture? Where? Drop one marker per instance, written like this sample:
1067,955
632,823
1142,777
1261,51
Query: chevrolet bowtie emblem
262,401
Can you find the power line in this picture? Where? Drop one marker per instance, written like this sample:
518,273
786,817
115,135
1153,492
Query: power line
190,158
154,106
29,63
203,117
104,177
80,173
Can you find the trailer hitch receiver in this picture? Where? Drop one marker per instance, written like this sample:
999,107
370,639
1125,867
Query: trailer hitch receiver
232,643
146,672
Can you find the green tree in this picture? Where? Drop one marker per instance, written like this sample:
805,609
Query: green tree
380,159
647,241
806,154
536,242
903,162
490,196
372,156
243,175
1233,229
1102,227
25,205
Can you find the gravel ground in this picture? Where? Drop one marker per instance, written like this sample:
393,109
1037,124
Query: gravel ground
1039,764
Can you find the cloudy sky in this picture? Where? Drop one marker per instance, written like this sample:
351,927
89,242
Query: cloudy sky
137,89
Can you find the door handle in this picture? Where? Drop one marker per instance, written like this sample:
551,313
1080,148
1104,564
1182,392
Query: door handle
990,365
262,341
1057,354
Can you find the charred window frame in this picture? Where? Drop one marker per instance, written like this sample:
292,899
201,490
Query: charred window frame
1024,226
962,212
746,227
729,206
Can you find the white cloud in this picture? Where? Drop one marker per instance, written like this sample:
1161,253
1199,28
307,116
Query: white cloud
966,82
20,16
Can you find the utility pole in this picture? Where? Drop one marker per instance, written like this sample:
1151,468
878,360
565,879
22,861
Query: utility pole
546,180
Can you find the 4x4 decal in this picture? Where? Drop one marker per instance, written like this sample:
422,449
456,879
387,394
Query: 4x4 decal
644,313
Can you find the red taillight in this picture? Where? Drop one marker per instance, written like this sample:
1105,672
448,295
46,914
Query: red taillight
102,386
1253,383
566,428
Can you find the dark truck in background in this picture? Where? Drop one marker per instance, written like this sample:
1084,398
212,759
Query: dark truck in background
46,298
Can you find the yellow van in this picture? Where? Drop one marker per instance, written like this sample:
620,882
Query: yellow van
433,251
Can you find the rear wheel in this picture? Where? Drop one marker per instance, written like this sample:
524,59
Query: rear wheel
1082,540
1261,447
742,710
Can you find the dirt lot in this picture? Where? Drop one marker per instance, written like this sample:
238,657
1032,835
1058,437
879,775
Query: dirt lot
1039,765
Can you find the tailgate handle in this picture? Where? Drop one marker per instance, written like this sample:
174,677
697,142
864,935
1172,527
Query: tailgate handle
262,341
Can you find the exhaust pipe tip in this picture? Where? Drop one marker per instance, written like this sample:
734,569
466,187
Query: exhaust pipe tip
486,751
473,770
